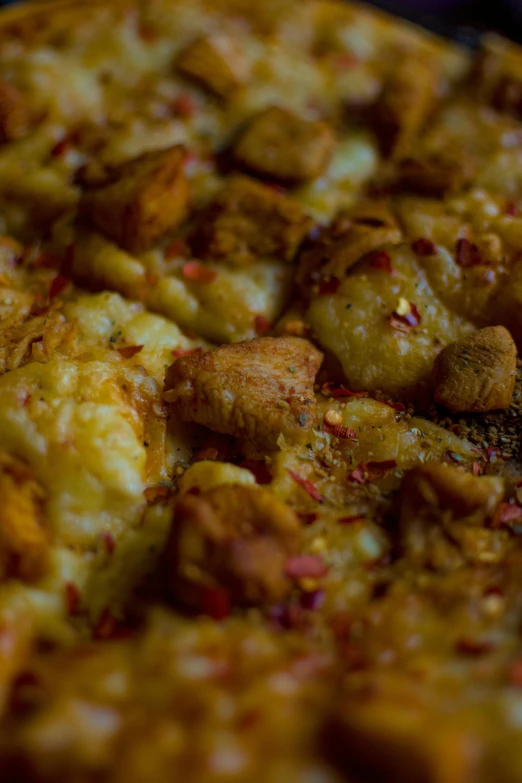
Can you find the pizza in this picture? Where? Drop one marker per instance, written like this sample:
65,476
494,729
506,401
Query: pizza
260,396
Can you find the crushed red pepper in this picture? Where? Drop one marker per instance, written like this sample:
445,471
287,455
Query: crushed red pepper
467,254
128,351
307,485
424,247
381,260
198,273
340,431
262,325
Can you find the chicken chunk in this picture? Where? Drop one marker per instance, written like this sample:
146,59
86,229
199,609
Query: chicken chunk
280,145
16,117
234,537
477,373
498,75
404,104
433,175
248,220
444,513
216,63
352,235
140,200
24,542
255,391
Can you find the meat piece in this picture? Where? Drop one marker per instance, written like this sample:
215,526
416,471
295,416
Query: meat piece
24,543
215,62
255,390
386,733
444,513
433,175
16,117
140,200
477,374
406,100
352,235
248,220
280,145
234,537
497,75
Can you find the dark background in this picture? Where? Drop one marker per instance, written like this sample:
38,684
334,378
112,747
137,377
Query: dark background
460,19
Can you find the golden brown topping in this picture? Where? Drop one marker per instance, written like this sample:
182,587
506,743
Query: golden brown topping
36,339
443,515
498,75
24,543
254,391
405,102
234,537
248,220
140,200
16,118
477,373
283,146
352,235
433,175
216,63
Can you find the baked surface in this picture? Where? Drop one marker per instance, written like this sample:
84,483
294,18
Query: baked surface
260,316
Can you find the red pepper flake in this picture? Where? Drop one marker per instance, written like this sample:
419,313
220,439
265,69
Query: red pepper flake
308,518
368,471
340,431
397,406
474,647
492,453
424,247
467,254
178,353
109,542
176,249
307,485
351,520
515,674
184,106
72,597
198,273
158,494
106,625
61,148
345,61
209,453
128,351
329,285
329,390
405,315
306,567
152,279
215,602
506,515
262,325
259,468
57,286
381,260
147,32
511,209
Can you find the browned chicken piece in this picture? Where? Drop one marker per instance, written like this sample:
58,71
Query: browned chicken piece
38,338
248,220
139,200
215,62
255,390
280,145
385,733
352,235
444,513
477,374
16,117
24,542
497,74
233,537
433,175
407,98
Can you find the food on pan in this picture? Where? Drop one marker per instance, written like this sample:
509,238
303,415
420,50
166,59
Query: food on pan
260,396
